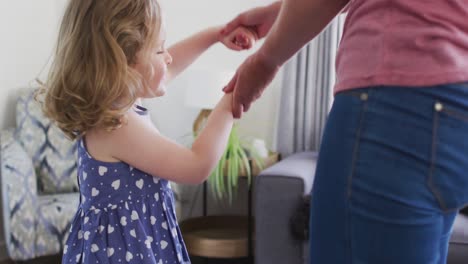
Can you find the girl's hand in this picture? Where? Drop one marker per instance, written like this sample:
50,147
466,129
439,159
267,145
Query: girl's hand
242,38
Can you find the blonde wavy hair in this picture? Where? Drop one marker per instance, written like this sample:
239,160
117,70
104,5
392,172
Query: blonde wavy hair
92,82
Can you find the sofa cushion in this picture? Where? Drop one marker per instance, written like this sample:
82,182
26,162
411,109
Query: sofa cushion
460,230
53,154
54,217
300,165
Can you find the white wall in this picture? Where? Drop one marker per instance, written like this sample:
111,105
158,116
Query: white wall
28,31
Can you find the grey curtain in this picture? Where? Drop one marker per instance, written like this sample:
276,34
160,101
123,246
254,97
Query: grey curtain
307,92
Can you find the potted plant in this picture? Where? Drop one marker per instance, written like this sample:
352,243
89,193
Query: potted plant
238,159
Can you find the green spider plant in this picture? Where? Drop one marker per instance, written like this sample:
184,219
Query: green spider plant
237,158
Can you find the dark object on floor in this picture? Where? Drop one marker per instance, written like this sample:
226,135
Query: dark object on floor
464,211
199,260
44,260
300,220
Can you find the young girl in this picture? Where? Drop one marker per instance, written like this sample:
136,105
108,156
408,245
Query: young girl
110,54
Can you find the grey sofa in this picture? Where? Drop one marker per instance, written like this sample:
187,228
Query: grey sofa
279,196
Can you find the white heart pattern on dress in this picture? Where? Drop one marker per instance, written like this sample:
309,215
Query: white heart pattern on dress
110,229
133,233
86,235
153,220
144,208
102,170
129,256
123,221
80,234
134,215
85,175
86,219
164,225
139,184
94,192
163,244
78,257
110,252
101,228
116,184
155,180
94,248
156,196
148,241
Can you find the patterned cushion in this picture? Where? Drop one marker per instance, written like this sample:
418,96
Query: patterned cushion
54,216
53,155
19,192
7,137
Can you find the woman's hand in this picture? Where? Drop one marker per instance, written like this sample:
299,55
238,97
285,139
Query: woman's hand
242,38
259,19
249,82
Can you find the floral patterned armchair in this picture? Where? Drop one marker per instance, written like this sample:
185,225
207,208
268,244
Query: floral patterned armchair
39,183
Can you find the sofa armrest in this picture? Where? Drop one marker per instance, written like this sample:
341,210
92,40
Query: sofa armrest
458,249
19,197
279,193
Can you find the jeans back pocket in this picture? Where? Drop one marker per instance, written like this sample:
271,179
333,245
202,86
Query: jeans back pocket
448,178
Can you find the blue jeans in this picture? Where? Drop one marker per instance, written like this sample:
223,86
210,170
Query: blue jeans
391,176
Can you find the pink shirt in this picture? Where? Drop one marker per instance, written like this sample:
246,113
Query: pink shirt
404,43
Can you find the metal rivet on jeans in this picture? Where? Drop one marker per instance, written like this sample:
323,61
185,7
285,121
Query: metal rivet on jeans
364,96
438,107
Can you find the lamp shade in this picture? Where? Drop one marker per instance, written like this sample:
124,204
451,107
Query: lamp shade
204,86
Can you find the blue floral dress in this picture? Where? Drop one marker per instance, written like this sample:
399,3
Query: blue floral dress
124,216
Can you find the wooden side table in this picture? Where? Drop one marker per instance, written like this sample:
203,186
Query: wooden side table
223,236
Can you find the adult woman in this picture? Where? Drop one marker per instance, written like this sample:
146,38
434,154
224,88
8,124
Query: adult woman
391,172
